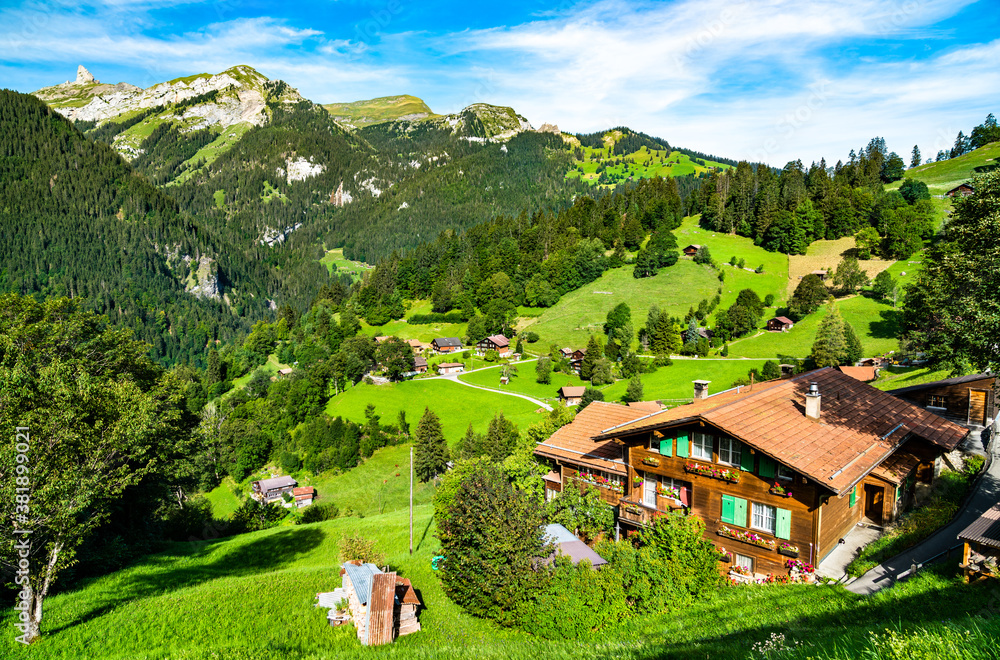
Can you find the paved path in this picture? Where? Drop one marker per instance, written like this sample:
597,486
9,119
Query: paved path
455,378
986,495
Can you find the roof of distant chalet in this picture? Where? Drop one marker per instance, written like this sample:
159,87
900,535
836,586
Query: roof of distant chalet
499,340
864,374
568,391
276,482
958,380
447,341
574,442
859,426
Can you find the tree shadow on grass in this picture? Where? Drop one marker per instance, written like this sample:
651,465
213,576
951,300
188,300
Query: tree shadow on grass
829,624
888,326
262,555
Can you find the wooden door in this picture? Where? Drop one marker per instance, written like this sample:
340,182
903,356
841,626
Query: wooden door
649,490
977,407
874,502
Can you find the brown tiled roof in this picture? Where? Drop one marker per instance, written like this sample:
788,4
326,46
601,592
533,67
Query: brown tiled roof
897,467
859,427
304,490
571,391
574,442
985,529
645,406
499,340
445,365
419,362
784,319
864,374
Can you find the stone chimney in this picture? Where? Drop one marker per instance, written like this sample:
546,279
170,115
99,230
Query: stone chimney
83,76
812,401
701,389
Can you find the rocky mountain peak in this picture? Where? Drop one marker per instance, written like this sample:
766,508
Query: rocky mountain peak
84,76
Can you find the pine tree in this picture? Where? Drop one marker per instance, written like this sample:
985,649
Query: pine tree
854,351
430,451
590,357
915,156
634,391
829,348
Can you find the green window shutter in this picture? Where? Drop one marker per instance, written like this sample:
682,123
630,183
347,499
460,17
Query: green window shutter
854,494
683,445
783,524
729,509
746,459
667,446
740,514
767,468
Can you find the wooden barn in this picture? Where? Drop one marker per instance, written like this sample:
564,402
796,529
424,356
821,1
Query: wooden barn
571,395
962,190
691,250
777,470
420,365
981,551
446,344
780,324
967,400
383,605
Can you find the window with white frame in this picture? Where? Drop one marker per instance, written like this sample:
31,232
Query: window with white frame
744,562
701,446
785,473
763,518
729,451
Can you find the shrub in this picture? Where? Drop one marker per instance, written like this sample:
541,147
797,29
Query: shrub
531,337
358,548
426,319
972,466
290,462
769,300
318,513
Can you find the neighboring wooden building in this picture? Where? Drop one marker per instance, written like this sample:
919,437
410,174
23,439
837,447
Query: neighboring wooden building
691,250
497,343
271,490
571,395
821,274
773,471
566,352
419,365
780,324
703,333
287,371
962,190
450,367
981,552
447,344
864,374
967,400
576,359
418,345
383,606
303,496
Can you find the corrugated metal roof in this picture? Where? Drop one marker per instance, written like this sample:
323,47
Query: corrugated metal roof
577,551
985,529
276,482
361,578
380,608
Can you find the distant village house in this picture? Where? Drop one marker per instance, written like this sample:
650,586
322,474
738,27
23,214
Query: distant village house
691,250
271,490
497,343
962,190
303,496
447,344
571,395
450,368
780,324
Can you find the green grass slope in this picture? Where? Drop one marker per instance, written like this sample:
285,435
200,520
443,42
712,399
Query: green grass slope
456,405
645,163
375,111
251,597
943,176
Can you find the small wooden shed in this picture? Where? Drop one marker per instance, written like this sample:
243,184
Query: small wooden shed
981,552
571,395
962,190
383,605
780,324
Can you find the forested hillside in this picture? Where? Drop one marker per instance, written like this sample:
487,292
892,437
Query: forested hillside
79,222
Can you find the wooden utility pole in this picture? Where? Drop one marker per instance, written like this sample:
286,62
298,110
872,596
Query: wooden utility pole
411,499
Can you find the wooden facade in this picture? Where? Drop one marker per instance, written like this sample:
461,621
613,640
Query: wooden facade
967,400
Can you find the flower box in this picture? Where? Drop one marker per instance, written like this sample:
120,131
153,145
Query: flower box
637,481
664,491
750,538
788,553
778,490
651,461
633,509
726,474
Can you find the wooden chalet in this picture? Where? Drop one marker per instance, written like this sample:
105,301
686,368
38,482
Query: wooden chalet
566,352
962,190
304,496
576,359
780,324
419,365
864,374
981,551
383,606
450,367
271,490
571,395
497,343
967,400
776,470
446,344
691,250
287,371
418,345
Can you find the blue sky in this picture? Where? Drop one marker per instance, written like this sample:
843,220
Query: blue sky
767,80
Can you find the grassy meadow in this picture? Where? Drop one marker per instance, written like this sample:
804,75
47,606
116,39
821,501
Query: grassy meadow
250,597
335,260
456,405
942,177
641,164
822,255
